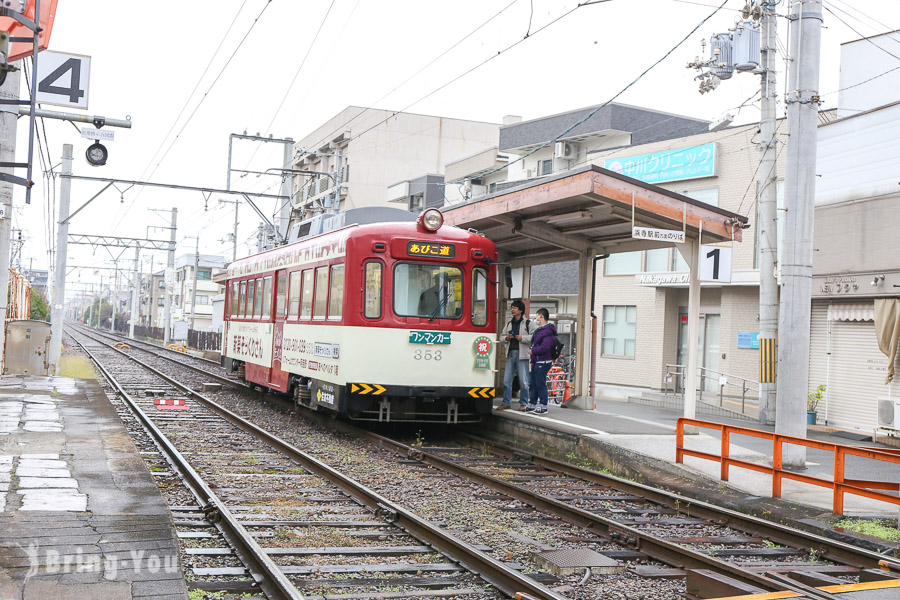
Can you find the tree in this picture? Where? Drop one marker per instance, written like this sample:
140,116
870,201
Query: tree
39,309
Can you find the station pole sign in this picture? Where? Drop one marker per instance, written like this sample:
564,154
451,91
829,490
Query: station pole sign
657,235
715,264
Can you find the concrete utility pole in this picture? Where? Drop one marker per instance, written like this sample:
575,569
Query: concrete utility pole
234,234
194,287
286,206
768,230
170,269
114,296
799,191
135,292
9,90
59,284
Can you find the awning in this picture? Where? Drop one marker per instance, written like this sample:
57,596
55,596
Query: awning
851,312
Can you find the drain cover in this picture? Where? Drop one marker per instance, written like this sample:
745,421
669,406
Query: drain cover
575,561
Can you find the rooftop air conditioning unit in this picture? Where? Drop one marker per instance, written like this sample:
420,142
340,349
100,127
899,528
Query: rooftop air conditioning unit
564,150
889,414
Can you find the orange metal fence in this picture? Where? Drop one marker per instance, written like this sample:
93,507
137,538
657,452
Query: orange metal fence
840,485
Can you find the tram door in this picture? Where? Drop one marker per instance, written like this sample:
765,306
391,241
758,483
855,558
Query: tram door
708,350
277,377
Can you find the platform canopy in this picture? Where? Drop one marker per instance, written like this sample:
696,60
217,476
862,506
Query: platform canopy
591,211
588,210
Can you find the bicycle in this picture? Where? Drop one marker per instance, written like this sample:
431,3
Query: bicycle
558,378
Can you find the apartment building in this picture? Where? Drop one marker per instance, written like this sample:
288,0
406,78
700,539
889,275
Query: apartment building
202,309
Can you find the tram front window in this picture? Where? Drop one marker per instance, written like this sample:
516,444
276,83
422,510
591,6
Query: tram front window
428,291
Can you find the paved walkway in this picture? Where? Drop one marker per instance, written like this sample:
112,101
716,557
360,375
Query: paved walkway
648,433
80,514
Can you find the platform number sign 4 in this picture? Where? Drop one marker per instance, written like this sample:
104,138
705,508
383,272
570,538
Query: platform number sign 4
715,264
63,79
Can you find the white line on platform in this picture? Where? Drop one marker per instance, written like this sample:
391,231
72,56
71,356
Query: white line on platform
591,429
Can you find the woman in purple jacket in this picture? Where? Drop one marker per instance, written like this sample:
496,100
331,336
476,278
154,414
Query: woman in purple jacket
541,344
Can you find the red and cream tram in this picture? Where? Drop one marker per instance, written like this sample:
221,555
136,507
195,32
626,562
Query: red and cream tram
385,322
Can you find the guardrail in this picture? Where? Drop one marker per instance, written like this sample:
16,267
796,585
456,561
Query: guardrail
840,485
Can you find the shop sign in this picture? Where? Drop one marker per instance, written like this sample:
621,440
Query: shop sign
670,165
748,339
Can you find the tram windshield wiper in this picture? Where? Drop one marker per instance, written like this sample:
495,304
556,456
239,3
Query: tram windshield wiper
440,306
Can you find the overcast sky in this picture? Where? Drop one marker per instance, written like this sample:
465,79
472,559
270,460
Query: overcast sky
190,73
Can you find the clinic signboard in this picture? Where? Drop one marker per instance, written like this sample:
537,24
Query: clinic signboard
681,164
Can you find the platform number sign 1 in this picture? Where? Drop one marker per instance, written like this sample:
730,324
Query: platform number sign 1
63,79
715,264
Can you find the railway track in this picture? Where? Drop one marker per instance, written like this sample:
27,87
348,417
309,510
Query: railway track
719,552
683,547
272,516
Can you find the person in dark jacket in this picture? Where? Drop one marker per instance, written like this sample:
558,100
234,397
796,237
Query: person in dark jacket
541,344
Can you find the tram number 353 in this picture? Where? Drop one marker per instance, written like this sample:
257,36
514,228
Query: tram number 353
427,355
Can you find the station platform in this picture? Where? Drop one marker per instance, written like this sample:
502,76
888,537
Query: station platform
638,441
80,514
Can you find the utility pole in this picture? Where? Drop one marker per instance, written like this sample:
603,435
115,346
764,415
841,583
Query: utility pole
799,190
135,292
59,285
194,287
170,275
9,90
114,296
90,318
235,232
768,231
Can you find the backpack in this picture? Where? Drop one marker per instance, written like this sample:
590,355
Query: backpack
556,349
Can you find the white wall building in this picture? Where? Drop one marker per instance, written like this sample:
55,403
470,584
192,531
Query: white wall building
381,153
209,265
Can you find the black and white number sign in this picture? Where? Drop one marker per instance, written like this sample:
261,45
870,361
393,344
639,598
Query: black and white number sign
715,264
63,79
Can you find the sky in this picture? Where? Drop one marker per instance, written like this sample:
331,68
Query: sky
188,74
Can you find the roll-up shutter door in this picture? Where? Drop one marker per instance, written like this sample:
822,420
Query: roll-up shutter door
857,369
818,348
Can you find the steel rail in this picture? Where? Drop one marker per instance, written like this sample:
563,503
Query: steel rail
263,569
833,550
219,378
658,548
507,580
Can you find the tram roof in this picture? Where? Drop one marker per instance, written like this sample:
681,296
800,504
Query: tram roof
588,210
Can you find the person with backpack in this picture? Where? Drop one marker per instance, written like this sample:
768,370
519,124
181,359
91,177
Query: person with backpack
543,344
518,332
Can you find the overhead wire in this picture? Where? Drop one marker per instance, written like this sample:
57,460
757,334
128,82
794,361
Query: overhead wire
202,99
421,69
479,65
619,93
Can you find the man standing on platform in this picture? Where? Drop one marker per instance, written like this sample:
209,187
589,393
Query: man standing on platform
518,333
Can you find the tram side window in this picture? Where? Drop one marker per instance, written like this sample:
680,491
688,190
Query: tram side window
294,295
242,308
251,290
321,294
306,300
373,290
235,297
479,297
258,301
280,295
267,298
336,295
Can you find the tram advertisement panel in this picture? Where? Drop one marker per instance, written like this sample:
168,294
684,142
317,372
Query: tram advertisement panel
250,342
386,356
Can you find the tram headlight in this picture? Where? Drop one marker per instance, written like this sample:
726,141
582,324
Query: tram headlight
432,219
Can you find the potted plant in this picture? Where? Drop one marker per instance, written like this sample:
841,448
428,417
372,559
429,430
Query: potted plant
812,402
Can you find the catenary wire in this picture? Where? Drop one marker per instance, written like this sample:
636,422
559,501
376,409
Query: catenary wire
619,93
423,68
200,102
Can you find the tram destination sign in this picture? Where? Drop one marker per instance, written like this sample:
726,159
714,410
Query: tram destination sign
431,249
429,337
